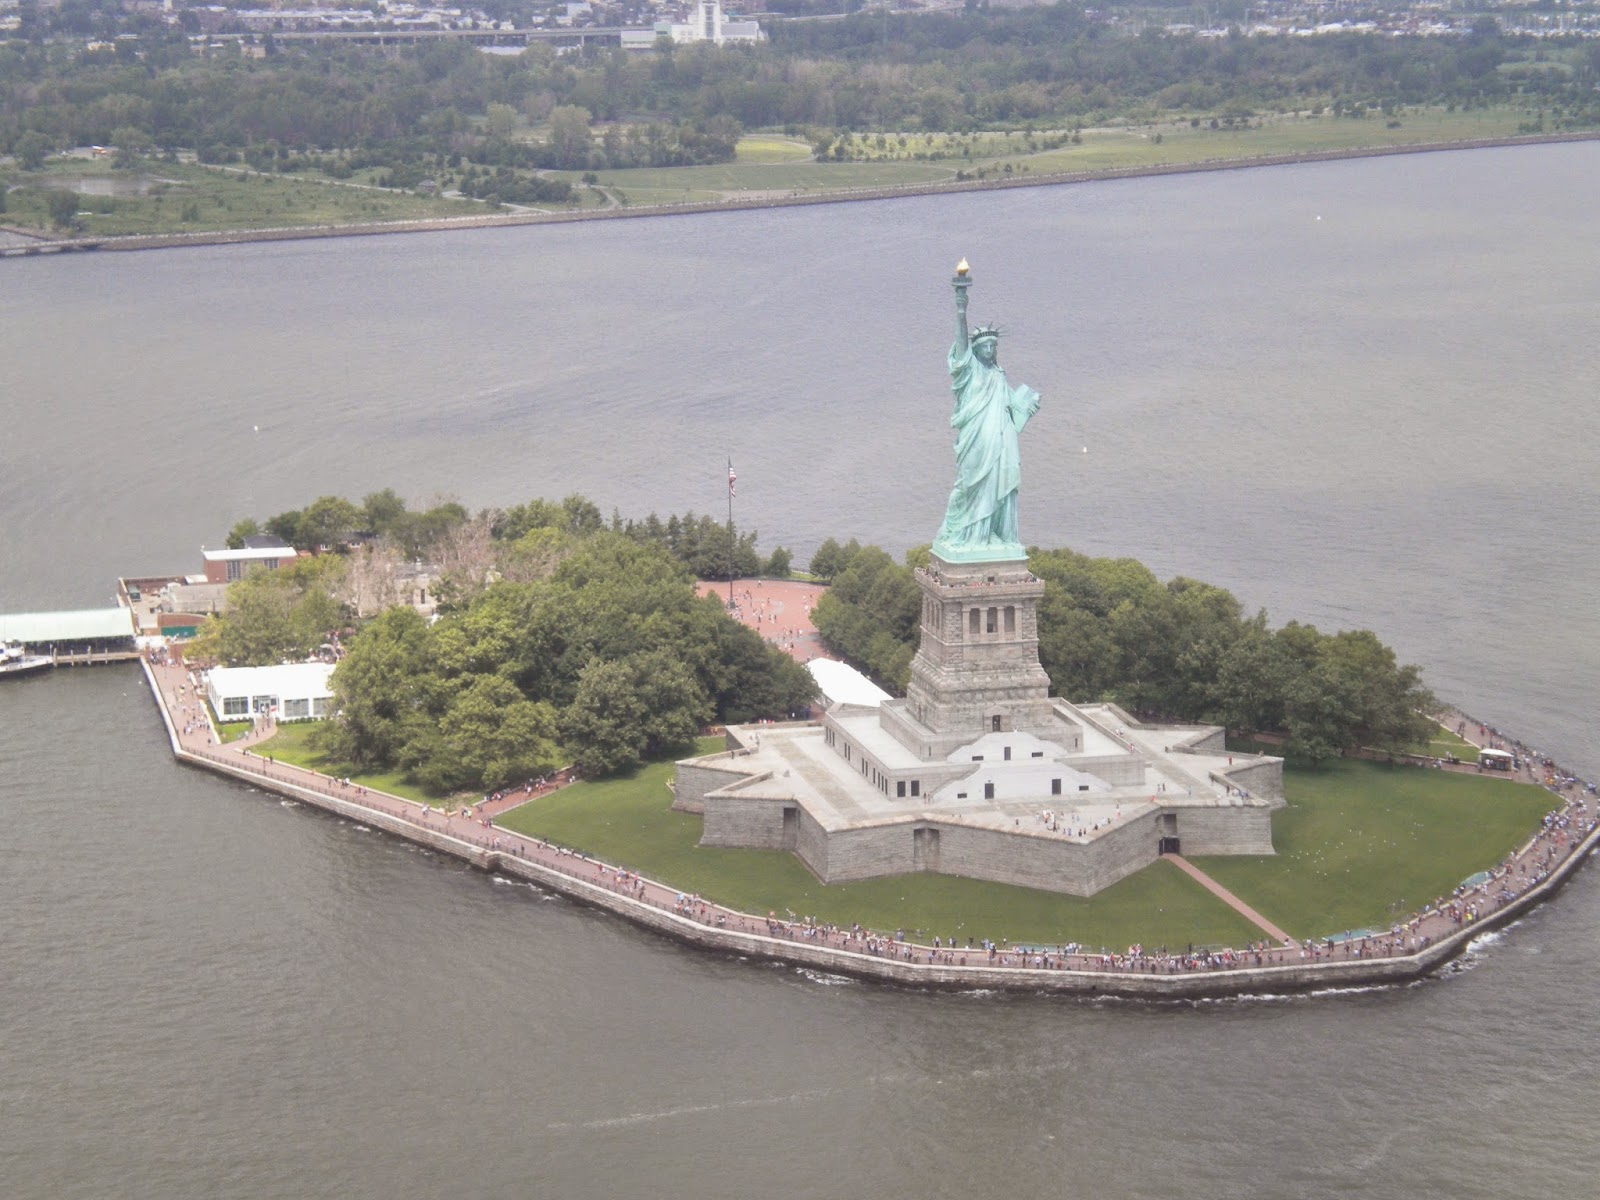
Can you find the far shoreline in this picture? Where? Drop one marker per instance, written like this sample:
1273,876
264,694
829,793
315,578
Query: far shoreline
225,237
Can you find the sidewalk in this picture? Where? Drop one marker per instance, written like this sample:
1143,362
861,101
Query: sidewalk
1228,898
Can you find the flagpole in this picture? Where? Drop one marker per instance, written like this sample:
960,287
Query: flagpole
731,478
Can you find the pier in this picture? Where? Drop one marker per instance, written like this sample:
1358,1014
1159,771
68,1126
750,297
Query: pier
80,638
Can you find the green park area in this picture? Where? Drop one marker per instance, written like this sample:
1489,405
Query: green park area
176,195
1359,845
1363,844
158,196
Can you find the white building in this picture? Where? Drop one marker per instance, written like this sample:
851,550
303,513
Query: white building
290,692
706,24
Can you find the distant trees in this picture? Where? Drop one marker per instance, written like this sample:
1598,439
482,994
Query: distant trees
710,548
31,149
418,113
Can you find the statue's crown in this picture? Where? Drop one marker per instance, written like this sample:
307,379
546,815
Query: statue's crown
986,331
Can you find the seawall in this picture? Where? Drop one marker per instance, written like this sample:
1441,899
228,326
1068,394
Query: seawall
600,886
224,237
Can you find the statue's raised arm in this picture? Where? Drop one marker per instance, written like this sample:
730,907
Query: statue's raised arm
962,281
980,522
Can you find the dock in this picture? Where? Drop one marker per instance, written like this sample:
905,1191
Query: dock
74,638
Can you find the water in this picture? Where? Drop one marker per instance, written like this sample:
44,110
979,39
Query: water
1377,418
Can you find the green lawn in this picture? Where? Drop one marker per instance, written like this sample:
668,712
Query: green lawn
1444,743
1362,843
292,744
770,177
628,821
1103,149
769,148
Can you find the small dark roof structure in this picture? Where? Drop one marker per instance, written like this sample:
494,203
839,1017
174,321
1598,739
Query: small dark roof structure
265,541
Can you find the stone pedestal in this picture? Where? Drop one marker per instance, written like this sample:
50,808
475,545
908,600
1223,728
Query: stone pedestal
977,668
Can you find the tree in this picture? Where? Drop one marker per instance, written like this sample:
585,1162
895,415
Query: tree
570,136
128,142
62,205
326,522
380,511
241,530
31,149
871,615
601,727
500,120
778,565
490,735
285,525
382,689
831,559
634,709
274,616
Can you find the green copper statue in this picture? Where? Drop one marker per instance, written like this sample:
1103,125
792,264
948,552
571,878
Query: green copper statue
980,523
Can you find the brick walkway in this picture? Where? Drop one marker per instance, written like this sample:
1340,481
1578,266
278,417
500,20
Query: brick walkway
778,609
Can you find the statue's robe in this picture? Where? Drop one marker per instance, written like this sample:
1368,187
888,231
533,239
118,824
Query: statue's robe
988,415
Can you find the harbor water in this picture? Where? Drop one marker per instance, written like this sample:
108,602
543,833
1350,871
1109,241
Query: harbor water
1358,394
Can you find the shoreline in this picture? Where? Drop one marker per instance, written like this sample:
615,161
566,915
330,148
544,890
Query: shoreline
225,237
1436,937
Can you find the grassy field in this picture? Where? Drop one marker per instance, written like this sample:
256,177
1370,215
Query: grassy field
163,197
1104,149
1362,843
764,148
628,821
292,744
771,177
1444,743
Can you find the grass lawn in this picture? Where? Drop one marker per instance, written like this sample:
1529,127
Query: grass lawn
770,177
770,148
628,821
292,744
1444,743
232,731
1129,147
1362,843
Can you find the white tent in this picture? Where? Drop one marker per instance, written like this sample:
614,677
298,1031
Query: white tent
841,683
290,692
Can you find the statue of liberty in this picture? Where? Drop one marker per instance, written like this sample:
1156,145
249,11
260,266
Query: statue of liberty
980,522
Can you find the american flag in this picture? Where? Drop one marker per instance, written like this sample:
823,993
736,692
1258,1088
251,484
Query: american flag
732,478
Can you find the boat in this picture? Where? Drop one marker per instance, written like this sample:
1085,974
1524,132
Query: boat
14,660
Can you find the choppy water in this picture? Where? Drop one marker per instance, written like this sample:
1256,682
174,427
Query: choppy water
1380,417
